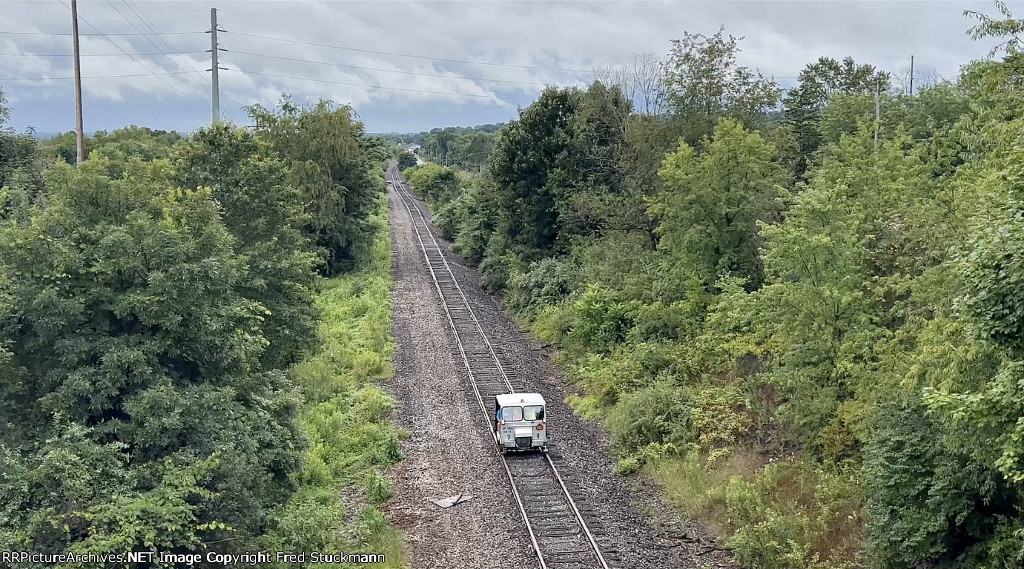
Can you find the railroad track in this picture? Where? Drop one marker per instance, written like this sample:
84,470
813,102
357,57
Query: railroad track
564,532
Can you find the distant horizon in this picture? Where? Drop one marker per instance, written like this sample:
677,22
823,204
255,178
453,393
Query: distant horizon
43,135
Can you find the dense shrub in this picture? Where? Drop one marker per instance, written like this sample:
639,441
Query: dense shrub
925,501
132,345
548,281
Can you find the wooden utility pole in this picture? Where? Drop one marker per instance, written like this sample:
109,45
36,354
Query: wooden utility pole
215,66
79,128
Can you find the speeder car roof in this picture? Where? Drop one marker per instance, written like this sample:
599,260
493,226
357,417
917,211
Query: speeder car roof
507,399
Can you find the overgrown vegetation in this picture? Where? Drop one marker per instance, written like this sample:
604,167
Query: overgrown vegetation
346,418
805,324
162,385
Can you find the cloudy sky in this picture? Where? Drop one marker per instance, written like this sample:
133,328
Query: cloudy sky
409,66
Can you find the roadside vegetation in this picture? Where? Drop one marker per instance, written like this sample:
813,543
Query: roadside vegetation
804,322
176,372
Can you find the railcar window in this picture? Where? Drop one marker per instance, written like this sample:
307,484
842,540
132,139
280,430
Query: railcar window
512,414
533,412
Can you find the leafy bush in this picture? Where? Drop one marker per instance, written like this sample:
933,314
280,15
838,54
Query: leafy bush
477,222
133,327
661,414
547,282
334,166
797,514
922,499
600,320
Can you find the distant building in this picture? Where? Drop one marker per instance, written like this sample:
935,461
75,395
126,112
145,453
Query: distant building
414,148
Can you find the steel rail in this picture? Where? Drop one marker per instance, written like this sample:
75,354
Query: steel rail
455,281
396,183
399,184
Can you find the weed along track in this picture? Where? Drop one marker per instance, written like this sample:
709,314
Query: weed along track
562,530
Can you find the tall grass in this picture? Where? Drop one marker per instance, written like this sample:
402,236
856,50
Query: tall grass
345,416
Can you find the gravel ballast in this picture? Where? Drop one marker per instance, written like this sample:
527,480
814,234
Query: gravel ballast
450,451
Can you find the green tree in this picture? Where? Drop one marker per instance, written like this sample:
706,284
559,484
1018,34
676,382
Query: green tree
139,416
714,201
525,156
704,84
264,212
333,164
819,82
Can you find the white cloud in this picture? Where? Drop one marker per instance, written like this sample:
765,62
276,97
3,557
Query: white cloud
780,38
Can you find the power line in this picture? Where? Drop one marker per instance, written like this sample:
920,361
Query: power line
152,43
149,24
378,86
97,33
387,70
92,76
139,61
92,54
414,56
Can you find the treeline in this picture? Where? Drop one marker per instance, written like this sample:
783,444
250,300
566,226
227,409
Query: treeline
456,146
117,145
154,302
807,325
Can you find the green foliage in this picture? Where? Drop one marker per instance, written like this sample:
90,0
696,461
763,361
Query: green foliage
796,515
713,203
131,328
651,417
118,146
547,281
922,497
819,82
149,308
704,84
558,150
346,418
406,160
994,260
20,177
462,147
333,164
262,210
5,112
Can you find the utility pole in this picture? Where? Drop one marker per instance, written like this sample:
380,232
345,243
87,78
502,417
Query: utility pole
911,75
215,68
79,129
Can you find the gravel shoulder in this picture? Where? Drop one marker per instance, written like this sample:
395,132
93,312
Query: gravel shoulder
646,532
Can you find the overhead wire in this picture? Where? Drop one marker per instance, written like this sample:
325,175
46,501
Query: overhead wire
378,86
399,71
135,8
115,44
153,43
89,54
92,76
395,54
97,33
